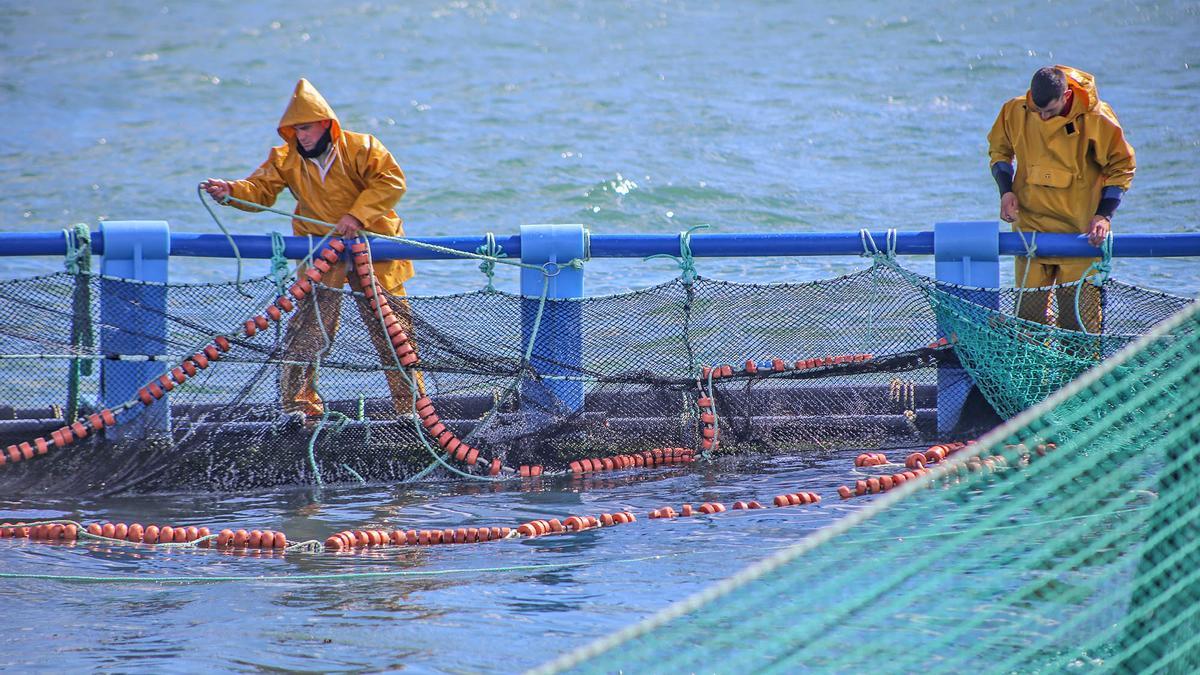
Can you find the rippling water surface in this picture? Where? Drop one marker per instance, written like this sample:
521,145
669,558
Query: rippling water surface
626,117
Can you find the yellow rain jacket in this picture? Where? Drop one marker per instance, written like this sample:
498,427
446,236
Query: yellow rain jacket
1065,162
363,180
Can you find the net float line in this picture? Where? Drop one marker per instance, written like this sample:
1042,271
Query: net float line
348,540
871,459
407,356
64,531
710,432
541,527
1023,455
649,459
59,438
777,365
711,508
189,367
934,455
797,499
880,484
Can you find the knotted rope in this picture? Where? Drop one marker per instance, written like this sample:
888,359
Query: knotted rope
685,259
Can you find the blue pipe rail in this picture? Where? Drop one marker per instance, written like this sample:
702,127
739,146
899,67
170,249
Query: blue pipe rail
965,253
252,246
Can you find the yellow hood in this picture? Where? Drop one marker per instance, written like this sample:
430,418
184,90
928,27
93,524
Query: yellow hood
1086,98
307,105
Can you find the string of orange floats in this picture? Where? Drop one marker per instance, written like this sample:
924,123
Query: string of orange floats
935,454
350,540
59,438
778,365
709,430
871,459
880,484
709,424
916,462
135,533
347,540
649,459
158,387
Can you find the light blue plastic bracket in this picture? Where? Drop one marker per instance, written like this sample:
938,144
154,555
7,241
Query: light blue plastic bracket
133,317
558,349
966,254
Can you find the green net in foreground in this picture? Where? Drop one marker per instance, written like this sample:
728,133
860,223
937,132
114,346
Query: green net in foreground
1083,556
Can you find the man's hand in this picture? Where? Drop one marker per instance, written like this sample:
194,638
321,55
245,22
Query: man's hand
1098,230
1008,207
348,227
217,189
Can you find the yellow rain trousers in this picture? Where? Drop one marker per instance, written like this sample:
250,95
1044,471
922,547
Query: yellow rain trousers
304,340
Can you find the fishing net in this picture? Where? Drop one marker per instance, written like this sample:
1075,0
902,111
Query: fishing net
1066,540
487,382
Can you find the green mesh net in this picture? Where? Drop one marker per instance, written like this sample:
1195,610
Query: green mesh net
849,362
1078,551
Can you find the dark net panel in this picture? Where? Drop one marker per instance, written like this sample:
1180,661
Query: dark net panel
607,375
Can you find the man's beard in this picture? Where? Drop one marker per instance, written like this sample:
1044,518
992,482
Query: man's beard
318,149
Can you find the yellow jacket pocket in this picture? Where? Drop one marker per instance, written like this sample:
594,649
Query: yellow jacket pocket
1049,176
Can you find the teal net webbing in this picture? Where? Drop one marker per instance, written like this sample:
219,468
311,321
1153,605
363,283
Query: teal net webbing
1078,550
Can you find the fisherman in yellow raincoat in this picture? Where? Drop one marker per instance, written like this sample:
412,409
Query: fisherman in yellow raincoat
341,177
1073,165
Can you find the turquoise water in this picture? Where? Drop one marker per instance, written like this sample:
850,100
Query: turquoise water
626,117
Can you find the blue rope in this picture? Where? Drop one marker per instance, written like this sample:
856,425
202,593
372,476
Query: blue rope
1030,252
279,264
716,439
1103,269
493,252
233,244
887,255
872,250
79,246
354,473
83,334
685,260
79,263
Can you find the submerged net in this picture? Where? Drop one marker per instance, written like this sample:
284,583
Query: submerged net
1078,551
849,362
